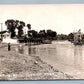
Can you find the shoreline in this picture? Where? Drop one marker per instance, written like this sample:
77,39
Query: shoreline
14,63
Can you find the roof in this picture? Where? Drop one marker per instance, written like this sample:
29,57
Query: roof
2,32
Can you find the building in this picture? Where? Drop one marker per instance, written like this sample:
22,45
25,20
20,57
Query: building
5,37
78,37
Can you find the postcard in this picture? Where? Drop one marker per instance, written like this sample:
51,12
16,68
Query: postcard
42,42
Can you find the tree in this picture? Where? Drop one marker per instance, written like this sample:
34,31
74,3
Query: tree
20,26
11,27
42,34
29,26
51,33
34,33
71,37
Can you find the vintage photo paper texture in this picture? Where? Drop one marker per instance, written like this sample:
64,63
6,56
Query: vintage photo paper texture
42,42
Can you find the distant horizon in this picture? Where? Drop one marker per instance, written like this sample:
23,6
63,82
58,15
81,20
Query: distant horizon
62,18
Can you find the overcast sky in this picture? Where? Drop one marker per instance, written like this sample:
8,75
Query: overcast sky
62,18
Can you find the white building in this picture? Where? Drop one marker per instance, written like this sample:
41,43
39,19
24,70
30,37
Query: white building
7,39
78,37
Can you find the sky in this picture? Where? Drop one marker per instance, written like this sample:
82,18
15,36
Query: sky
62,18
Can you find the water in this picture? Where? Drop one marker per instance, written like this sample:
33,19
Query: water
62,55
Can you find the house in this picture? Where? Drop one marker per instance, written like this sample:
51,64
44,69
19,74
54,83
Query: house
1,35
78,37
5,37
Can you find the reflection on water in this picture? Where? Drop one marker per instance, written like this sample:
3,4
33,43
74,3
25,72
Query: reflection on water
30,50
62,52
77,54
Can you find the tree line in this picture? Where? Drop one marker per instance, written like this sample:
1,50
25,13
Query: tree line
12,25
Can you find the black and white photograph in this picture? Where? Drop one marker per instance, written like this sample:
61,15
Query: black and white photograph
42,42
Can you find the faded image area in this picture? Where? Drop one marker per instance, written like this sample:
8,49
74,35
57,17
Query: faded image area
42,42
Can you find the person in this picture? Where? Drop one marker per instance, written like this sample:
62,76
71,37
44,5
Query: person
9,47
21,49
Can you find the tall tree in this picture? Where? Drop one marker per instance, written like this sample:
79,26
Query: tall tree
29,30
20,26
11,27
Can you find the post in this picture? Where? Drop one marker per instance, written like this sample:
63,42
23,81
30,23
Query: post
1,31
9,47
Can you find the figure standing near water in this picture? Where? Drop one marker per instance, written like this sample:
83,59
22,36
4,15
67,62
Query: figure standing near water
9,47
21,49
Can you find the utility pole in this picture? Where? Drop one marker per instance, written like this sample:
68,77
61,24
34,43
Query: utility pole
1,26
1,31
